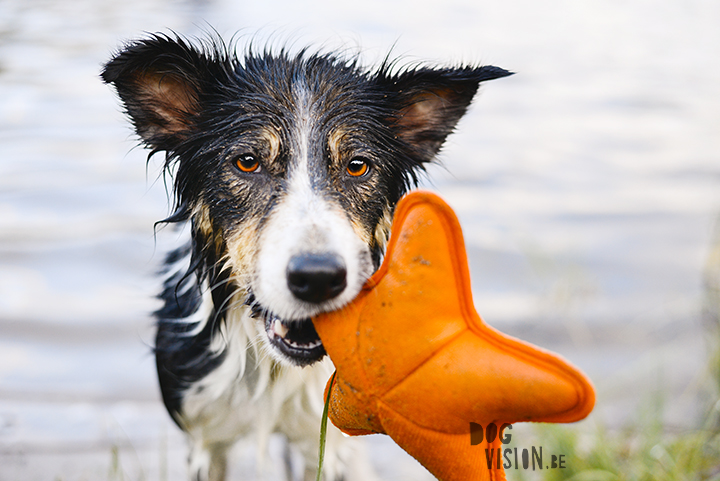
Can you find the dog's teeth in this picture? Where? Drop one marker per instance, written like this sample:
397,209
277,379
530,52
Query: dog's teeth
280,329
302,346
312,345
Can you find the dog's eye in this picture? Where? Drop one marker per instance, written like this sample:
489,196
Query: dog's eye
358,167
247,163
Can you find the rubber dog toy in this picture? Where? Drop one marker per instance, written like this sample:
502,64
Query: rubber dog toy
415,361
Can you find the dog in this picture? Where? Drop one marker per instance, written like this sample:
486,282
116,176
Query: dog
287,168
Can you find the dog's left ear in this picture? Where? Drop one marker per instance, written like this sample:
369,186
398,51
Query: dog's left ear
161,81
431,101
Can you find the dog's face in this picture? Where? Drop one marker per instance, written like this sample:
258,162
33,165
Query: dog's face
289,168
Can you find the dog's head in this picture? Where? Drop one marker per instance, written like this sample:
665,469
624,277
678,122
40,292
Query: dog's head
289,167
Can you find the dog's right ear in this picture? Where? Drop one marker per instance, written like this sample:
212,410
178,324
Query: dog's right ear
430,102
161,82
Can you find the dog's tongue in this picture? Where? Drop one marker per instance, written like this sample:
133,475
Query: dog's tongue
415,361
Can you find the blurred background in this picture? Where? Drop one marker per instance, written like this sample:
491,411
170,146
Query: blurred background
587,185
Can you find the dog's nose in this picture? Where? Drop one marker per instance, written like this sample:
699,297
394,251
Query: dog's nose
316,277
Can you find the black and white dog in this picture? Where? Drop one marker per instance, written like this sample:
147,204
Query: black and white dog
287,169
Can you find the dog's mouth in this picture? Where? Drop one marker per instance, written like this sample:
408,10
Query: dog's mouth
297,340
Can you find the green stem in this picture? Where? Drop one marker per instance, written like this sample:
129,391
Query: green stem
323,428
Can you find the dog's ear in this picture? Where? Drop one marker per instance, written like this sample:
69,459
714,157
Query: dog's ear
161,82
431,101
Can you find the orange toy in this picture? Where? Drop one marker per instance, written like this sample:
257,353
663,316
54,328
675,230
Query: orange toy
415,361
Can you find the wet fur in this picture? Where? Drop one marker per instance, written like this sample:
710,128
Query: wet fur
305,117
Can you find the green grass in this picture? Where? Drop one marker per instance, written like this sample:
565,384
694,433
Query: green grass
637,453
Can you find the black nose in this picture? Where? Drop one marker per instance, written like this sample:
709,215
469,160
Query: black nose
316,277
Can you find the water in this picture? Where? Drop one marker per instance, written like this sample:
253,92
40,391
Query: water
587,187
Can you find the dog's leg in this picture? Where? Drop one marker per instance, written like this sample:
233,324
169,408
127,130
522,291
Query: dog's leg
288,461
207,462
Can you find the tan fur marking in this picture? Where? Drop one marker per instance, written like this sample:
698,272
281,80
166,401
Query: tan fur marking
360,231
382,230
242,250
273,140
334,142
201,217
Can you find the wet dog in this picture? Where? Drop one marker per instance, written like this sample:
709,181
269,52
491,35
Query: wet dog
287,168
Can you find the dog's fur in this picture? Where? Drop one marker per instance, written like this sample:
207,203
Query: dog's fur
287,169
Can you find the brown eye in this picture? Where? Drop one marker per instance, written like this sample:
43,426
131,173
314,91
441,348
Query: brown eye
358,167
247,163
